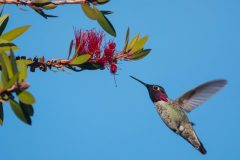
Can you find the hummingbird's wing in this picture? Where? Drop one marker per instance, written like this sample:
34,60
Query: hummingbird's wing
193,98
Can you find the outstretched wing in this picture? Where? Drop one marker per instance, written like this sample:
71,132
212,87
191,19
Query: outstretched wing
193,98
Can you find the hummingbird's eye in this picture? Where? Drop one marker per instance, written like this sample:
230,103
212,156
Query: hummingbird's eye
156,88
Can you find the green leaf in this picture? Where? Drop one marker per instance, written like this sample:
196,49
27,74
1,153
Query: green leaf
26,97
49,6
4,73
139,44
1,114
80,59
11,82
139,55
40,11
13,34
89,11
104,22
1,10
102,1
91,66
8,65
22,71
1,85
126,39
27,109
6,45
17,109
132,43
41,3
3,22
24,61
13,62
106,12
70,49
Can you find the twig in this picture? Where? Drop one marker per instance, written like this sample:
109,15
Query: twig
16,87
31,2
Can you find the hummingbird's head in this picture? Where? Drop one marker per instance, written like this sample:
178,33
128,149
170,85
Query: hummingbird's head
156,92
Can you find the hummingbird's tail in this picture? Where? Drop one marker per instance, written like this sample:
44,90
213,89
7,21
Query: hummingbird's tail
201,148
190,135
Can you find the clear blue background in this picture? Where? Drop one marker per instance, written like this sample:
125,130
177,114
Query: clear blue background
84,116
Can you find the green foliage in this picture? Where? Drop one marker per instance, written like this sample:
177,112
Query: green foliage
89,11
132,42
140,54
13,34
22,71
80,59
19,112
3,22
139,44
6,38
102,1
134,48
99,16
26,97
1,113
126,39
6,45
12,74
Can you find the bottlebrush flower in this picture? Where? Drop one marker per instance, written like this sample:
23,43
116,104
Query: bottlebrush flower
90,42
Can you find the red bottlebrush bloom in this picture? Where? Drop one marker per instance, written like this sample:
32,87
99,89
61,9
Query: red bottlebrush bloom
94,42
109,49
108,55
88,42
113,68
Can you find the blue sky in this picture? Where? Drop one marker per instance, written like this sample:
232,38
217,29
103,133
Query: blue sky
84,116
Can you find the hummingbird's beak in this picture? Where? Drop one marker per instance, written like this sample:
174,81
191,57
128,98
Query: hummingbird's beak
145,84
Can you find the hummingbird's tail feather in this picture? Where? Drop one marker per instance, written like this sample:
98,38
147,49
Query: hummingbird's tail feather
201,148
190,135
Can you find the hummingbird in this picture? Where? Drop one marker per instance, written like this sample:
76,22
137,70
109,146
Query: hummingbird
173,112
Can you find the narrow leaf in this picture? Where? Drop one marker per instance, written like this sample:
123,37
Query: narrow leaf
4,73
2,10
140,54
126,39
13,62
24,61
41,2
6,45
132,43
22,71
139,44
89,11
13,34
11,82
49,6
70,49
7,62
102,1
3,22
106,12
27,109
26,97
80,59
43,14
1,114
104,23
17,109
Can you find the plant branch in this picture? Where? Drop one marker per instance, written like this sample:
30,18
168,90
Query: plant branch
16,87
32,3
